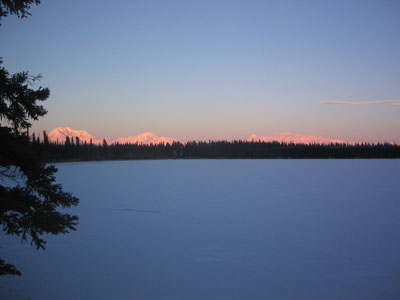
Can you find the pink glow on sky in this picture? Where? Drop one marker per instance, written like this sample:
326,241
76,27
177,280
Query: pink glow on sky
393,102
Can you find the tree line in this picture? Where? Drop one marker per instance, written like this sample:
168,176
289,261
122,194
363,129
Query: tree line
72,149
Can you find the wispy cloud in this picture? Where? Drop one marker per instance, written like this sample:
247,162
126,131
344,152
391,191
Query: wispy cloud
392,102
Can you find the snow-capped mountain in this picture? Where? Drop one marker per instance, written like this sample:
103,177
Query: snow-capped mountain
59,134
146,138
297,138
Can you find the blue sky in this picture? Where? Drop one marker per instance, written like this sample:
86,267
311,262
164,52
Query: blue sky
213,69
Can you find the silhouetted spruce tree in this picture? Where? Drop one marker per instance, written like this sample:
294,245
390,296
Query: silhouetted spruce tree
29,196
16,7
45,138
67,141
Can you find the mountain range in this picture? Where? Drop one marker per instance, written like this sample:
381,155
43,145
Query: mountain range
296,138
59,135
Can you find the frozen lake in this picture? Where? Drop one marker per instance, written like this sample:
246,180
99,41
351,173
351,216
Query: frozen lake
220,229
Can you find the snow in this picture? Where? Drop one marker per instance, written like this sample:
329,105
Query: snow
146,138
296,138
60,133
220,229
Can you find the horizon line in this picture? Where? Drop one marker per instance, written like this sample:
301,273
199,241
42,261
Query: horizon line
287,137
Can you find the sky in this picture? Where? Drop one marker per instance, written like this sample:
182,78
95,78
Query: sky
200,70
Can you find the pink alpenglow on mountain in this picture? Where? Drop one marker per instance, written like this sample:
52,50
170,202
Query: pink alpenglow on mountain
296,138
146,138
59,135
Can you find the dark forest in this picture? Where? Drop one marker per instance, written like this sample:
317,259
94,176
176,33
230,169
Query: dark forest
75,150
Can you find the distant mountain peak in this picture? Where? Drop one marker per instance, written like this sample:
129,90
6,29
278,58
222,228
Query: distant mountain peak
296,138
148,133
59,135
146,138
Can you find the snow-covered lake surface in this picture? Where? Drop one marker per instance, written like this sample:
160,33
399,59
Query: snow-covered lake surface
220,229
